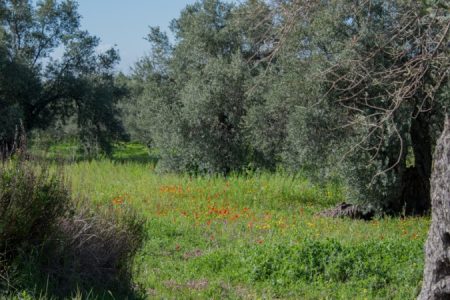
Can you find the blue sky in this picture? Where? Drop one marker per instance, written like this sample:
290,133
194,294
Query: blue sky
125,23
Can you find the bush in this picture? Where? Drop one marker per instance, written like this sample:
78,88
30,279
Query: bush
52,243
32,200
94,248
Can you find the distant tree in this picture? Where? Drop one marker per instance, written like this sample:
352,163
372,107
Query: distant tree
38,88
150,89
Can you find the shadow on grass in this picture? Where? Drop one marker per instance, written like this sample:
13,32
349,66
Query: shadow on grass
38,284
133,152
122,153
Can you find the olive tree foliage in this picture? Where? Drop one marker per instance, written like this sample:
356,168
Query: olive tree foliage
150,88
383,81
293,125
191,98
38,89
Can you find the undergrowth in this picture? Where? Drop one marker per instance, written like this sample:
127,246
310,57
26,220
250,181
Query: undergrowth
56,246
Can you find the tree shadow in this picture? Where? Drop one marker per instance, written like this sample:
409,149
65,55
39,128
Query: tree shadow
122,153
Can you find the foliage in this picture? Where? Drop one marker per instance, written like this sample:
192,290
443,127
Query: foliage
32,201
212,106
191,97
39,90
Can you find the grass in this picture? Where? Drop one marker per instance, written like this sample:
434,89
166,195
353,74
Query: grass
69,151
255,236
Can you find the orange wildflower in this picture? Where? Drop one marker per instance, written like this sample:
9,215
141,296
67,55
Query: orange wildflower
118,200
235,217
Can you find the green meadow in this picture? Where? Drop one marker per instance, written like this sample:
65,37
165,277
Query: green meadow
252,236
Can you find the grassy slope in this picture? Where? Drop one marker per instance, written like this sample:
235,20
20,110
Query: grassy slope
255,236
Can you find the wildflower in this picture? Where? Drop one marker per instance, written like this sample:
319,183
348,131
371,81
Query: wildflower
118,200
222,212
235,217
265,226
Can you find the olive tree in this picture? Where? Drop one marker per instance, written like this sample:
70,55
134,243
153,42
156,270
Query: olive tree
383,70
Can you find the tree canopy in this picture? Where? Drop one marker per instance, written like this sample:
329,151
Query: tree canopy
335,87
38,88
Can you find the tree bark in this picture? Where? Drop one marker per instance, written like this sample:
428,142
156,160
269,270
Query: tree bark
436,280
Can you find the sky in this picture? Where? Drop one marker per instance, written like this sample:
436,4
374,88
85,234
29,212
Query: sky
125,23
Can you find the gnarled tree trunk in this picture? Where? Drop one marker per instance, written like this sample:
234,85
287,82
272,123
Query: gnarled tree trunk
436,280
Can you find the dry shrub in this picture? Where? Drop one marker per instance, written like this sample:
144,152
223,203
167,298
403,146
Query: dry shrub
95,248
59,245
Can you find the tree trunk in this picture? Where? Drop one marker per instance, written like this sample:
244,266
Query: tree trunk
436,280
421,142
415,196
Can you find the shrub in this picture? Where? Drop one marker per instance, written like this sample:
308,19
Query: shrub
32,200
94,246
52,243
